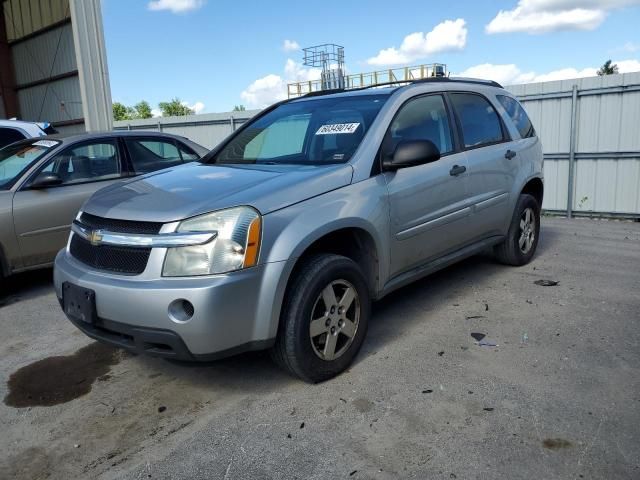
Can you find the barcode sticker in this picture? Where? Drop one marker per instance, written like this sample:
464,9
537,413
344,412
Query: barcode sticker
336,128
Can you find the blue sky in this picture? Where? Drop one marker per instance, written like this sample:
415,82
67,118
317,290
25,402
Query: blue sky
215,54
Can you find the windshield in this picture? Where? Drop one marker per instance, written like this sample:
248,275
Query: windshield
312,132
17,158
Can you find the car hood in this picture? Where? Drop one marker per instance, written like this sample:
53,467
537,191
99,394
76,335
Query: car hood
182,192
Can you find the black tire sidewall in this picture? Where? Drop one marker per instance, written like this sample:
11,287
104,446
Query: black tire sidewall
298,317
524,201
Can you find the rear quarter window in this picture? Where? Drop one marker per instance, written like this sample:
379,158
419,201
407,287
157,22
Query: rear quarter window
518,116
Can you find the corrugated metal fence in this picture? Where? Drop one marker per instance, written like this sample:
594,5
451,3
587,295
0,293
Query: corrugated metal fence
590,129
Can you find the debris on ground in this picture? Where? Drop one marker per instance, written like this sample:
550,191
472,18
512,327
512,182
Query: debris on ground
302,425
486,307
546,283
478,336
427,391
525,338
487,343
161,409
488,409
473,317
440,353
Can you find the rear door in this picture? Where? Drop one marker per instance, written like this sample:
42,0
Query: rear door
43,217
428,203
492,161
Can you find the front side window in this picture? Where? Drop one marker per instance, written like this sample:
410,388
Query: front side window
149,155
518,115
309,132
9,135
17,158
478,119
423,118
90,162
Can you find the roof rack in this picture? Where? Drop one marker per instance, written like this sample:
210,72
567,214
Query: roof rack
400,83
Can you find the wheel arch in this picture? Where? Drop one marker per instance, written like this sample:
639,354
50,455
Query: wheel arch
534,187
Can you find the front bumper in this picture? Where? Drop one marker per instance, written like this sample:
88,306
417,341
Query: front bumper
232,312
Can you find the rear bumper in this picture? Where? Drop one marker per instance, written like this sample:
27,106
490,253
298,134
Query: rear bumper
232,312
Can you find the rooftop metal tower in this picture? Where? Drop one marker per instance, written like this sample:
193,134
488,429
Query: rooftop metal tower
330,58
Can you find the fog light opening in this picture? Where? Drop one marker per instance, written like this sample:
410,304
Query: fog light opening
181,310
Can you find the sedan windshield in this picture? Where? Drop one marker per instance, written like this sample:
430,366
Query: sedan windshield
310,132
17,158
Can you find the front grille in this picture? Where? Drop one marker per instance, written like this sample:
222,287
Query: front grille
125,260
120,226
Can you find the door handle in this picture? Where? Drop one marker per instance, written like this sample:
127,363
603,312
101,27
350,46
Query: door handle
457,170
510,154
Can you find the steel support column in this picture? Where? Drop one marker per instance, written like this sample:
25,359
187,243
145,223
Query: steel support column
572,149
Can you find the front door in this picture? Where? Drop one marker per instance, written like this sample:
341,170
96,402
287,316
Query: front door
428,203
43,217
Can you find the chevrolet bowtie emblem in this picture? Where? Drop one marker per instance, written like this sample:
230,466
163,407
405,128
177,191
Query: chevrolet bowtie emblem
95,238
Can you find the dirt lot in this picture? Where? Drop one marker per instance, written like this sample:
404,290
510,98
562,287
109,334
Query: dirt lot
559,397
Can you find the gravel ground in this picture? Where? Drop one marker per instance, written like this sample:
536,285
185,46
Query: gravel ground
559,397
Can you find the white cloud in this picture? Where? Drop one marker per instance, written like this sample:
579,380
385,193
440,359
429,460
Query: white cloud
273,88
156,112
175,6
290,46
446,36
511,74
541,16
196,107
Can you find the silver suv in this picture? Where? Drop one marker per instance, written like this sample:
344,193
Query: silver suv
283,235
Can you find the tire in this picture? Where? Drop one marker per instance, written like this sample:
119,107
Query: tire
298,348
521,242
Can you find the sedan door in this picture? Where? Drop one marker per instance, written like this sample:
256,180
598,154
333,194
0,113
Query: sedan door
428,203
43,216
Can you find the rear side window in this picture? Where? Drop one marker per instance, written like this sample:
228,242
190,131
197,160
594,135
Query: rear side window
478,119
518,115
9,135
148,155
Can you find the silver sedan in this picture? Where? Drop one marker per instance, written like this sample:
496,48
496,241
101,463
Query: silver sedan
44,181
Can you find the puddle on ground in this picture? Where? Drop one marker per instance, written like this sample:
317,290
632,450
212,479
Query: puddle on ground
556,443
56,380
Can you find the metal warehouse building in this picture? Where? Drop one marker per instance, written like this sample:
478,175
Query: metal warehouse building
53,65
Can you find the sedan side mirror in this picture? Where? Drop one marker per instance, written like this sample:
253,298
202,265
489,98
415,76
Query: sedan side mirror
410,153
45,180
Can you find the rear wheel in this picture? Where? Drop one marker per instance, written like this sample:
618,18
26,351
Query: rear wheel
324,318
521,242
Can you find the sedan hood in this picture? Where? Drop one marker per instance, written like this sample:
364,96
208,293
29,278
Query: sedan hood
193,189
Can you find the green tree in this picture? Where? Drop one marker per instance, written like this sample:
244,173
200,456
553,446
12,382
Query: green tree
174,108
239,108
142,109
121,111
608,69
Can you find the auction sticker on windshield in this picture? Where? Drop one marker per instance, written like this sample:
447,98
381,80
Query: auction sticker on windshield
45,143
337,128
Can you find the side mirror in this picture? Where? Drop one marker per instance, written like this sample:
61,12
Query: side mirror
410,153
45,180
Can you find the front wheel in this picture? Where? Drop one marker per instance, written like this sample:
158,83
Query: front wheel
521,242
324,318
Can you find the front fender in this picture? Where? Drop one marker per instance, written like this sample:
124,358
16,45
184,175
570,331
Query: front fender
289,232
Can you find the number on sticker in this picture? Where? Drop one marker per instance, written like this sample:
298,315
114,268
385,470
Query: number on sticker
336,128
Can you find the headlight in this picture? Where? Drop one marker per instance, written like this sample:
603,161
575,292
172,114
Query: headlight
235,246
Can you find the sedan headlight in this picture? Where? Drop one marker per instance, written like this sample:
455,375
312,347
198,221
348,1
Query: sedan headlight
235,246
